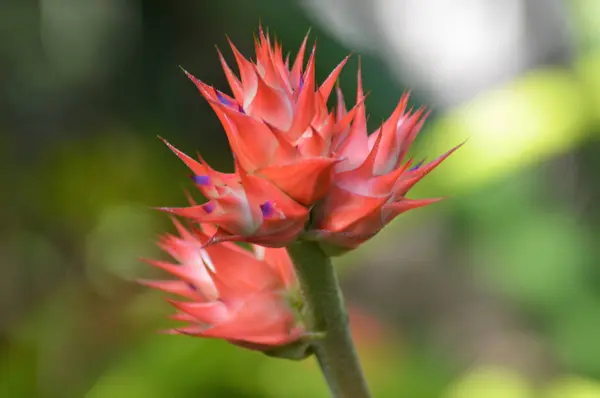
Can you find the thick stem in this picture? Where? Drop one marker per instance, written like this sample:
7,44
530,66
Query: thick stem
335,351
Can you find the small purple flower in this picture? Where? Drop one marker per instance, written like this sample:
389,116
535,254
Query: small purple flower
201,180
209,207
267,209
300,85
224,100
416,166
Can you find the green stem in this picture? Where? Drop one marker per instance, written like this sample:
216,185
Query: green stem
335,351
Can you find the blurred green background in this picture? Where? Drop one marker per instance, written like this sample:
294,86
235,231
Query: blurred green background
494,292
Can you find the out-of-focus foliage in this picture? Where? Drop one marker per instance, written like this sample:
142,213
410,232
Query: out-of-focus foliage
510,309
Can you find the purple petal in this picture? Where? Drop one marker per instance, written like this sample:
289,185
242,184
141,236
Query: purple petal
416,166
300,84
267,209
224,100
227,102
209,207
201,180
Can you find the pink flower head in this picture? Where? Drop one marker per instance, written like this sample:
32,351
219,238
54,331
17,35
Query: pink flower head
277,121
371,182
244,207
298,162
230,293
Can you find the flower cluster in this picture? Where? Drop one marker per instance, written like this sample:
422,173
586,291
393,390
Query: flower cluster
297,161
302,171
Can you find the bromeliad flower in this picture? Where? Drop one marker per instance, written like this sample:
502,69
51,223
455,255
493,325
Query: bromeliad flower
296,161
302,174
277,121
245,208
246,297
372,180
